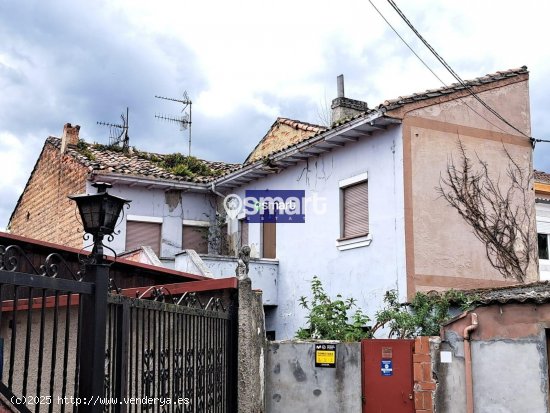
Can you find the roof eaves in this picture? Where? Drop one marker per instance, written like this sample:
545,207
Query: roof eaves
326,135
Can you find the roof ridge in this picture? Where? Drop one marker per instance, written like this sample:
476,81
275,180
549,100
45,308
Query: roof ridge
454,87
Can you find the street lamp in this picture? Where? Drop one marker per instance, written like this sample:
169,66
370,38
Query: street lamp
99,213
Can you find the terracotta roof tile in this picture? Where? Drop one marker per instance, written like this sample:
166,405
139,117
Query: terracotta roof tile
131,164
445,90
275,141
537,292
542,177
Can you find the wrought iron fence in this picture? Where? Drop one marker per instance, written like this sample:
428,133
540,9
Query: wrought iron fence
165,354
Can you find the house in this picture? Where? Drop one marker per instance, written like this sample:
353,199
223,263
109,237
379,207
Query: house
373,219
509,357
542,192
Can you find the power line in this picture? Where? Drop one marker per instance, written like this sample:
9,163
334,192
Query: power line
450,69
430,69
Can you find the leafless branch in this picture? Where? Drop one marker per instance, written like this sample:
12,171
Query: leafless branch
500,213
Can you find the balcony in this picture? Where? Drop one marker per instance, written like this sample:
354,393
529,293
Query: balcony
262,271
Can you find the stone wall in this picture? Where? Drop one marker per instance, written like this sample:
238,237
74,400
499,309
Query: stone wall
44,212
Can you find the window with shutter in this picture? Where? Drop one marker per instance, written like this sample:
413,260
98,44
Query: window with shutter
243,232
139,234
355,210
269,240
195,238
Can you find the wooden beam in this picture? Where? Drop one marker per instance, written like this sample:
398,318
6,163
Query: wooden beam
542,188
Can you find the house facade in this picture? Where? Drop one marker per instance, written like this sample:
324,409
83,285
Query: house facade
374,220
542,192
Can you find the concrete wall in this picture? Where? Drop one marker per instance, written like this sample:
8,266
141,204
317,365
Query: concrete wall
295,385
262,271
309,249
509,361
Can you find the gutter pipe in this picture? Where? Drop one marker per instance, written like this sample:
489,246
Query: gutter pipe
468,364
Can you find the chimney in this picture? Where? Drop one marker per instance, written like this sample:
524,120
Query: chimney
70,136
344,108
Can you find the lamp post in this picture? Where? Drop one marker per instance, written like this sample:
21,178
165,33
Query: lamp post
99,213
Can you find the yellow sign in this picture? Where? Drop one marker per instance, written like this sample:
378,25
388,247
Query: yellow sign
325,357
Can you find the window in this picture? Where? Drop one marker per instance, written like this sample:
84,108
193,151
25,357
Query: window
195,237
354,213
139,234
243,232
544,241
355,210
269,240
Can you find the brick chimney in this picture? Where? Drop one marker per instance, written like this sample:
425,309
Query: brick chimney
70,136
343,107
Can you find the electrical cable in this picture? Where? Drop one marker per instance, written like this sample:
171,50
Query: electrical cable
430,69
450,69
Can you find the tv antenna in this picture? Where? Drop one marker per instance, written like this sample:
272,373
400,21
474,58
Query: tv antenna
185,119
119,132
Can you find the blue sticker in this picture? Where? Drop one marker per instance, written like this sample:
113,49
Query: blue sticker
386,368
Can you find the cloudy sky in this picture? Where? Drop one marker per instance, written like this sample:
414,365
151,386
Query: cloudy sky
243,63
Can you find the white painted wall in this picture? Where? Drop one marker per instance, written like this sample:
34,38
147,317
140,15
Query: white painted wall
154,203
543,227
309,249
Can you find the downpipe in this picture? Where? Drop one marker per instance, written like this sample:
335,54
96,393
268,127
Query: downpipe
468,364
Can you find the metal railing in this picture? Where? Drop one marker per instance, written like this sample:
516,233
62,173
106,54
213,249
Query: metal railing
67,344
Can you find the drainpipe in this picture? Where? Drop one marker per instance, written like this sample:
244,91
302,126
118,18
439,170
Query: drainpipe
213,188
468,364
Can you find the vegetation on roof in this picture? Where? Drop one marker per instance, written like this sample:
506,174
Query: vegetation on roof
175,163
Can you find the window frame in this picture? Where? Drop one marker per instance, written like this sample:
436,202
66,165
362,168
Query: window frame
359,240
196,224
144,219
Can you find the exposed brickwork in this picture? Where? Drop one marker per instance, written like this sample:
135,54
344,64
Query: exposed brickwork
424,384
44,212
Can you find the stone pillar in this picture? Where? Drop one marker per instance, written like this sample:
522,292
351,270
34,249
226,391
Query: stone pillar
251,349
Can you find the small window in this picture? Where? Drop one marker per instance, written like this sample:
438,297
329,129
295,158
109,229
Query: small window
355,210
543,246
139,234
195,238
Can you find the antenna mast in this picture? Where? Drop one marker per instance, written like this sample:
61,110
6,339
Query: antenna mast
119,133
184,120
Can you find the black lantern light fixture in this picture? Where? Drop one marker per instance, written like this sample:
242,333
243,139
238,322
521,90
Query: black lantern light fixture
99,213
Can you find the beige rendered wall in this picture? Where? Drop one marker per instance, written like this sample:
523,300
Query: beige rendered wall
442,251
44,212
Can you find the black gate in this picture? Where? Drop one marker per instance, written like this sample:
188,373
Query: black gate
68,345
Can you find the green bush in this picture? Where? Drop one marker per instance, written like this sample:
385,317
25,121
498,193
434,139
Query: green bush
329,319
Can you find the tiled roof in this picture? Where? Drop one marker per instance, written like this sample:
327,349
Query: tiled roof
277,139
455,87
386,106
538,292
106,160
542,177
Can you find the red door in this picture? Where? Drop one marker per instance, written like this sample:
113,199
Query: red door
387,375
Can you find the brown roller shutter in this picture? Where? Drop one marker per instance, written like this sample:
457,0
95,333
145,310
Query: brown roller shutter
140,234
269,240
243,230
195,238
355,210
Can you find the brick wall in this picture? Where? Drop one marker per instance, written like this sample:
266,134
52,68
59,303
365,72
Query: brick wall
424,383
44,212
